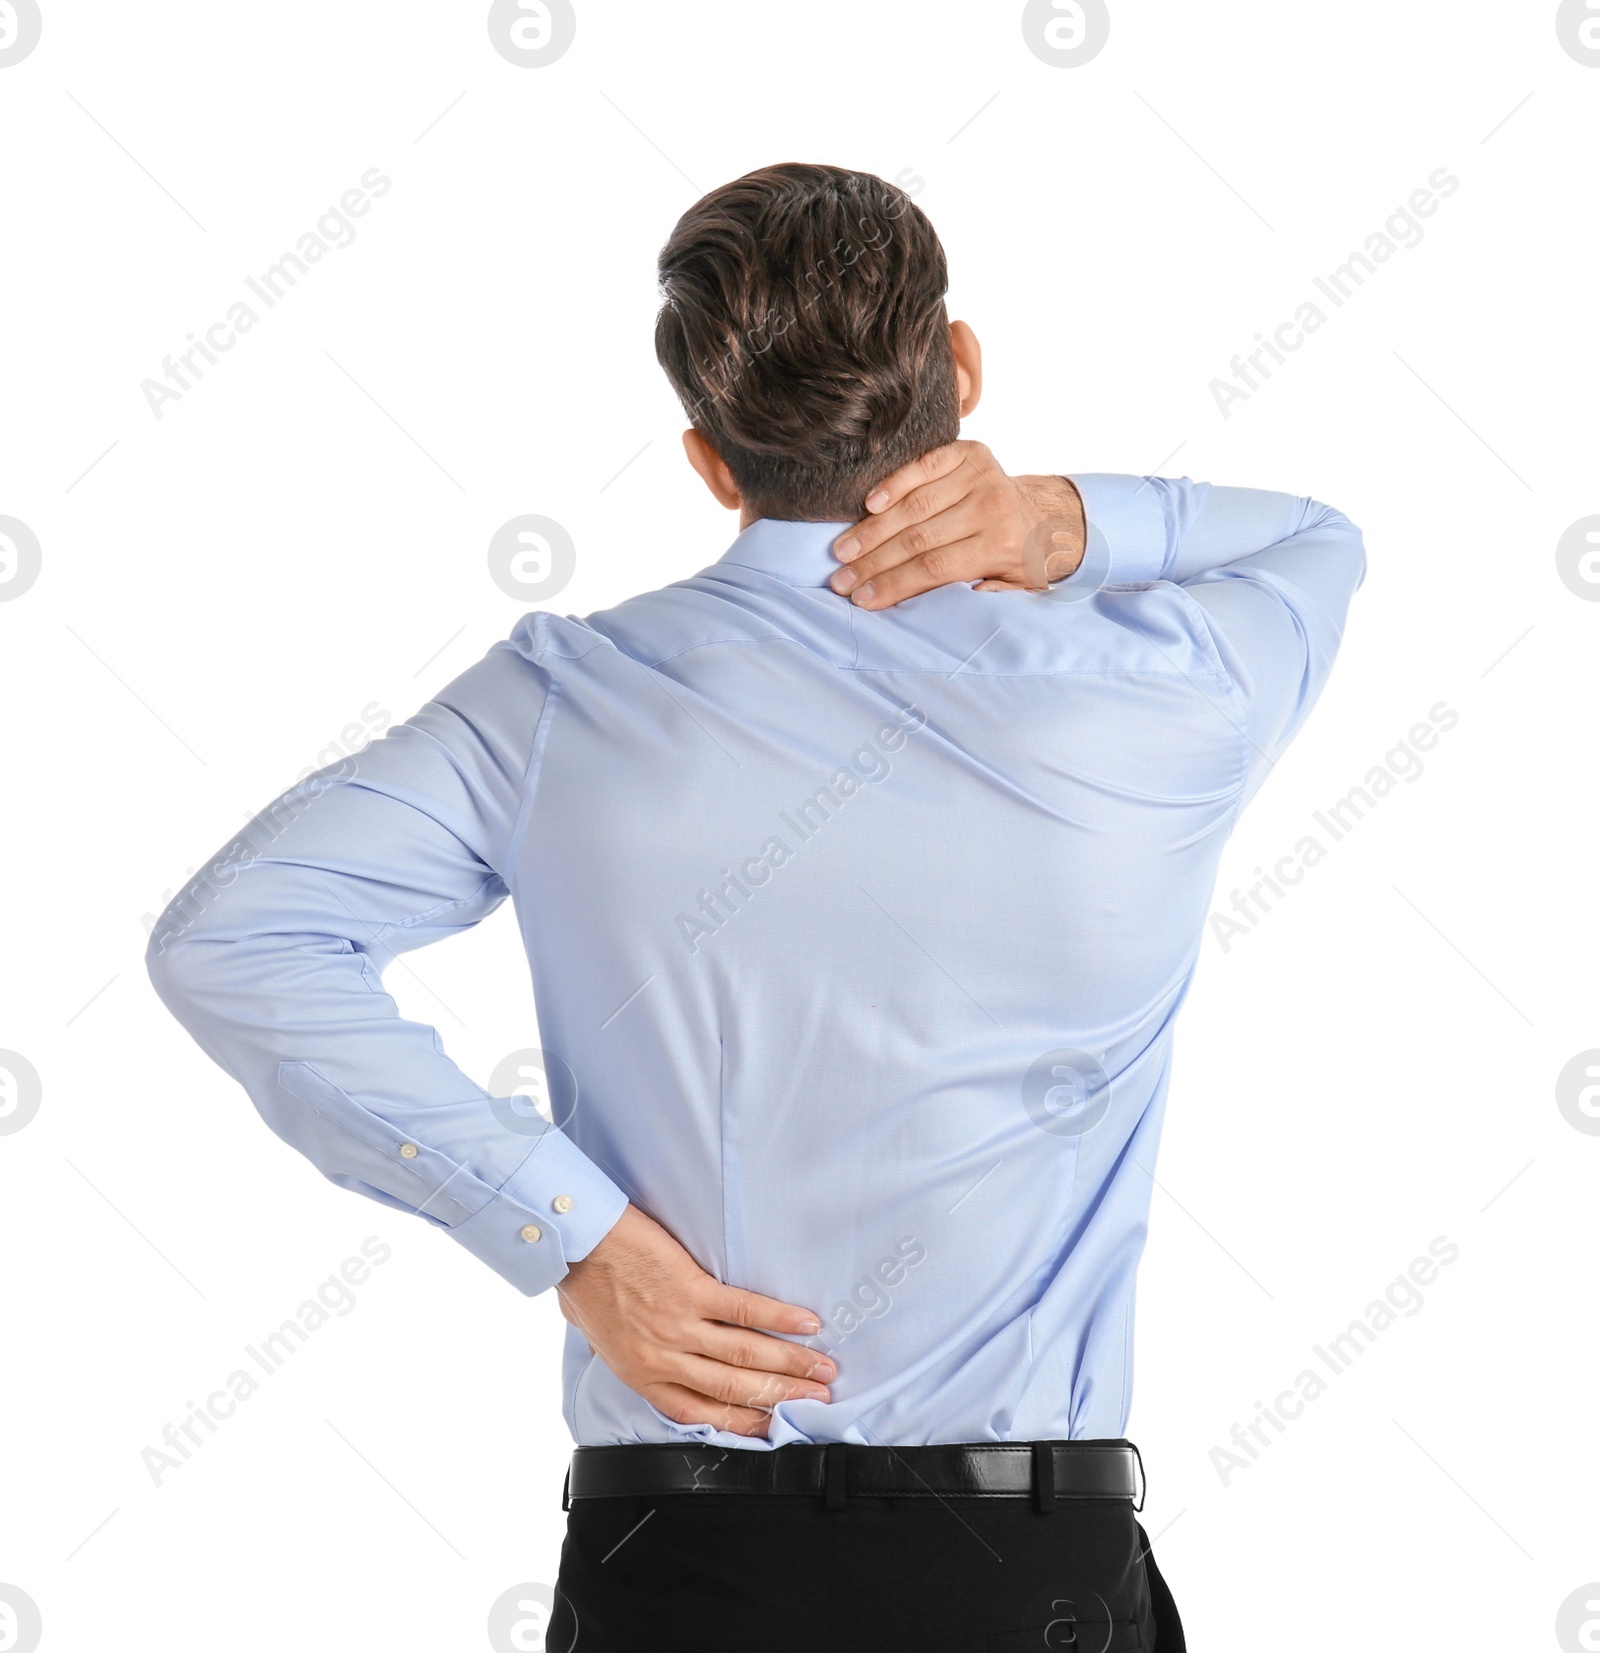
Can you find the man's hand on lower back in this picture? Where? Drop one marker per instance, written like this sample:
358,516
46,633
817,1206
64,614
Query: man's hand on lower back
691,1346
955,515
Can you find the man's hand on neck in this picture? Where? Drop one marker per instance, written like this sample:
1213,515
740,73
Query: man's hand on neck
955,515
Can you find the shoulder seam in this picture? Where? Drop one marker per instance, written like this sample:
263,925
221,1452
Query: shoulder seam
530,778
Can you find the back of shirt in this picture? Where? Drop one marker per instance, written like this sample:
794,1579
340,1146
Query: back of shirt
856,938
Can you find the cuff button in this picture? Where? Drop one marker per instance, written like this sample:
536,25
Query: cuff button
532,1232
561,1204
408,1150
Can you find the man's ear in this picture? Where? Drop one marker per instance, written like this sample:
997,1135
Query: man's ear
969,365
708,462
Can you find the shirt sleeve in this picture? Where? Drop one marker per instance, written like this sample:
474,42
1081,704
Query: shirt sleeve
272,956
1271,575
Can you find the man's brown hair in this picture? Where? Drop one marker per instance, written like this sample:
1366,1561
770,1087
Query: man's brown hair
804,329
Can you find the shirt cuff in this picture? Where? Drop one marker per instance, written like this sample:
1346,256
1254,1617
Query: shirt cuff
551,1212
1126,531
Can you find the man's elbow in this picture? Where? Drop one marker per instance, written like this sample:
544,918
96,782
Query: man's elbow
1341,536
172,962
181,955
1318,515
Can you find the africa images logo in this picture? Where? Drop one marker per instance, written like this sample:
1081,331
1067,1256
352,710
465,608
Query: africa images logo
20,557
1066,34
1578,30
20,26
20,1094
532,34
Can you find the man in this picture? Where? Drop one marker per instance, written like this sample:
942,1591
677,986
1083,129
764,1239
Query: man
858,926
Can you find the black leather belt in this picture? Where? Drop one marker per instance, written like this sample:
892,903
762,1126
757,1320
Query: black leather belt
1042,1470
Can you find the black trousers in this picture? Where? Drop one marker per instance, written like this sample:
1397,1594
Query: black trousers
757,1573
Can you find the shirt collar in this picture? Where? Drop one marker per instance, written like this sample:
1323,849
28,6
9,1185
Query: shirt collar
798,553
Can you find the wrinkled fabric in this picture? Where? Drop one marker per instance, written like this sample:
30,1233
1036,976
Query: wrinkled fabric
857,941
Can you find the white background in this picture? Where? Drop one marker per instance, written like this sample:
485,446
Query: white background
224,589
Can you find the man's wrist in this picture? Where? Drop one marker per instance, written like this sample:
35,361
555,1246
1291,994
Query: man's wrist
608,1242
1057,520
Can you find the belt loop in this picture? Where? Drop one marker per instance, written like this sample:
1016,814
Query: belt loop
835,1459
566,1491
1044,1477
1144,1483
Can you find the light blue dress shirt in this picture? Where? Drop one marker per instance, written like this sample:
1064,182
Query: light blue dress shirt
857,941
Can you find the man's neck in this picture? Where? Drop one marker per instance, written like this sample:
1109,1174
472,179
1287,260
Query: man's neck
747,516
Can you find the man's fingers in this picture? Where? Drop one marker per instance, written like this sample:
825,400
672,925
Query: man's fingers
750,1308
932,465
964,520
764,1354
964,560
740,1387
918,506
685,1405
